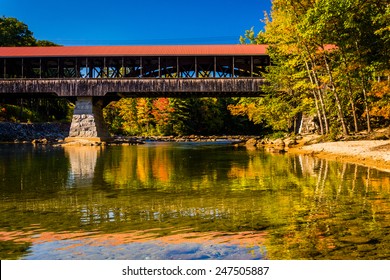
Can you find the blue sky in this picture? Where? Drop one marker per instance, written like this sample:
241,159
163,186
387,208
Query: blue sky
141,22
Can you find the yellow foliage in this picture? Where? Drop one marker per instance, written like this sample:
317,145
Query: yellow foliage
381,106
381,111
380,89
238,110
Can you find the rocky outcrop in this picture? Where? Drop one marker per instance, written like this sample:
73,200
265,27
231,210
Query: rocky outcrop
279,145
252,142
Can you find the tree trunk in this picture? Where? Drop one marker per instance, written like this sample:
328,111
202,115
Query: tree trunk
316,99
321,98
318,89
337,99
366,106
353,107
364,92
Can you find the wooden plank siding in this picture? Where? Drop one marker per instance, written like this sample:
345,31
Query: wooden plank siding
148,87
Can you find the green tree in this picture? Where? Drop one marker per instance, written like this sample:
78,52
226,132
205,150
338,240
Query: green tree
250,37
14,33
180,116
45,43
122,117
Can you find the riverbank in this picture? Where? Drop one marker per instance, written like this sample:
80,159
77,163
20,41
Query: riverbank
371,150
55,133
369,153
363,151
33,132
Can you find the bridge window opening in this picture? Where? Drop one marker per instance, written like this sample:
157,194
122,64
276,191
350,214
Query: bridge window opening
34,68
168,67
68,68
150,67
14,68
49,68
131,67
259,66
187,67
113,67
96,67
224,67
83,68
242,67
205,67
2,68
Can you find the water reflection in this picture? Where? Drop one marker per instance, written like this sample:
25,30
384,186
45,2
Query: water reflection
170,201
82,161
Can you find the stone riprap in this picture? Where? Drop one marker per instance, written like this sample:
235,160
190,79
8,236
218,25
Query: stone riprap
20,132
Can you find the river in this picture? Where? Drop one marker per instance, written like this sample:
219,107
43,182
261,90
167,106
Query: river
188,201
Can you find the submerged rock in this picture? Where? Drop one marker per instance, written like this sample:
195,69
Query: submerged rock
356,239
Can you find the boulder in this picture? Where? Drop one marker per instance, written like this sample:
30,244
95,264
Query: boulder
290,142
251,142
278,142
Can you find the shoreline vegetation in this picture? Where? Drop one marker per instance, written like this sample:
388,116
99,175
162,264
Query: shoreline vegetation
371,150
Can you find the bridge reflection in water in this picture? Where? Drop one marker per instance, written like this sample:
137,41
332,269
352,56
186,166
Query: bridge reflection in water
82,161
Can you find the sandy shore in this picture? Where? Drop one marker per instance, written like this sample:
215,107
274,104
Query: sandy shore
372,153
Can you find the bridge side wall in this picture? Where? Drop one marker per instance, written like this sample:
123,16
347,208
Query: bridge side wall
151,87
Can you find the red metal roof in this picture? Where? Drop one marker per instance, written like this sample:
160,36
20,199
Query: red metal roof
179,50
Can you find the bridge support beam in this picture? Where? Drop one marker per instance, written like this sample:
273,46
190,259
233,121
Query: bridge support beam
87,121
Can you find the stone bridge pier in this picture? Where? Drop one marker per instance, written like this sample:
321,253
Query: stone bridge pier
87,121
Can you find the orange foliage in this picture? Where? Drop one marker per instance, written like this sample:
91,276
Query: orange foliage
380,89
161,110
380,92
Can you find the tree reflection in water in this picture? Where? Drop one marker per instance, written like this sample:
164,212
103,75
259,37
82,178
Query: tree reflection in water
196,201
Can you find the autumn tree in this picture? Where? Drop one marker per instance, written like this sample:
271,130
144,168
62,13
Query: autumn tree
329,58
162,112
